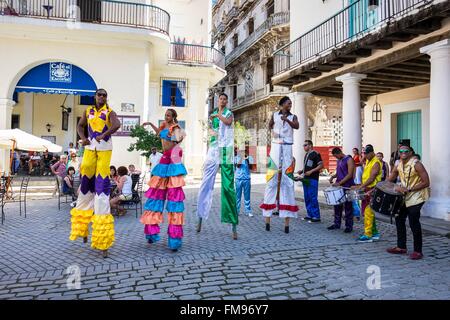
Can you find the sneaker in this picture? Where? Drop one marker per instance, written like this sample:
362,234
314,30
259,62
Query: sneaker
396,250
286,229
333,227
306,218
250,214
314,220
416,256
267,227
348,230
73,204
376,236
365,238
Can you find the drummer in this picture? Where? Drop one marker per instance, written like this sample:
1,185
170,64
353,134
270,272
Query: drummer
344,178
371,176
414,185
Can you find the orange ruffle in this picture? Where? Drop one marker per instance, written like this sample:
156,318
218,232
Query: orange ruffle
152,217
176,218
158,182
164,183
176,182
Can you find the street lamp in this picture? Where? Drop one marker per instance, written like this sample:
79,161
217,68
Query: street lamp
376,111
48,126
373,5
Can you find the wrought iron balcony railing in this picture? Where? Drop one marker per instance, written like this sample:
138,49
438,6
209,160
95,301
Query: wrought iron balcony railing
347,25
196,54
275,19
108,12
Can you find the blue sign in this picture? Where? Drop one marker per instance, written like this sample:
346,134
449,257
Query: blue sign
57,78
60,72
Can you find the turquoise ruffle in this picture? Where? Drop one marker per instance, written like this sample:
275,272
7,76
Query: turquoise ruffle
169,170
175,206
154,205
174,243
153,237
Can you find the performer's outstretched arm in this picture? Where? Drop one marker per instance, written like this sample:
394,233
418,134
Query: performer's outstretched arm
152,125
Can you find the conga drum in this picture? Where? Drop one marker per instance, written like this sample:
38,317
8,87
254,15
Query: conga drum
385,199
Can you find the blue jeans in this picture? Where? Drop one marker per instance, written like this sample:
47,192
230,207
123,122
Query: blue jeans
243,185
356,208
310,191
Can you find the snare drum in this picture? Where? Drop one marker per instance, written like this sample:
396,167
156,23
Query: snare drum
385,199
334,195
355,195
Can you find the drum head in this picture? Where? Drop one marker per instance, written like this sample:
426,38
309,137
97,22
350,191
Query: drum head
332,189
388,187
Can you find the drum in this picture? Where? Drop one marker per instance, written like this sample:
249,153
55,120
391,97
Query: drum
355,195
334,195
385,199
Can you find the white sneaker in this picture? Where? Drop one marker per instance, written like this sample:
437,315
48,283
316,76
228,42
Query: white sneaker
73,204
250,214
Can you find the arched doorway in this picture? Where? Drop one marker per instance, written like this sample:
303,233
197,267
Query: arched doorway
50,98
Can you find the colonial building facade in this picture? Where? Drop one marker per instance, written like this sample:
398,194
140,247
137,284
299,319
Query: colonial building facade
149,55
389,64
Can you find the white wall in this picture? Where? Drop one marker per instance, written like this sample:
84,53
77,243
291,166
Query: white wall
306,14
383,135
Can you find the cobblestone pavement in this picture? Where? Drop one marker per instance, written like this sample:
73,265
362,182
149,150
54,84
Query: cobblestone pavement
308,263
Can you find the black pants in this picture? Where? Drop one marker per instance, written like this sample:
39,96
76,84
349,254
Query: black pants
413,214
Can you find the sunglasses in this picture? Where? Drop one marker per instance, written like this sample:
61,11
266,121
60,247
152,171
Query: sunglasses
101,95
404,151
305,145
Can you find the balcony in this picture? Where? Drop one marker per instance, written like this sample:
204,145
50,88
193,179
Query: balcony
256,96
103,12
349,25
232,14
192,54
276,19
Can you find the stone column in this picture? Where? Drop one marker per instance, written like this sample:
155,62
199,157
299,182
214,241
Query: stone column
351,110
6,106
438,206
299,109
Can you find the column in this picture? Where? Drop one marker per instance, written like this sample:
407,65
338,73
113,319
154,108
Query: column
26,121
351,110
6,106
299,109
438,206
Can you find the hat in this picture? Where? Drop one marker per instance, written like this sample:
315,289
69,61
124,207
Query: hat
404,142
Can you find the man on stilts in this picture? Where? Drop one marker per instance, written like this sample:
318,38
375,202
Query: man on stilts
93,199
220,153
279,194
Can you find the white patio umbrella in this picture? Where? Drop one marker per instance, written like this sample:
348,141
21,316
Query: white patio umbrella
18,139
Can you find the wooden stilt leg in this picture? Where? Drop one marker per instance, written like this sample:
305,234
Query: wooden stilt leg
199,225
234,228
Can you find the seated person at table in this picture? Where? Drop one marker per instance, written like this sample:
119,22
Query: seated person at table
34,162
113,175
67,187
132,170
124,191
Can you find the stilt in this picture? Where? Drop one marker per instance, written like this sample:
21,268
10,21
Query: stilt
105,253
199,225
234,232
267,224
85,239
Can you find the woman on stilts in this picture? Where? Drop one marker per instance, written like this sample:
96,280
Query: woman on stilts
220,153
166,185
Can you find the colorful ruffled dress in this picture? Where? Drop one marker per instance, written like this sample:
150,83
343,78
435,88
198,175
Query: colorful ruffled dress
166,194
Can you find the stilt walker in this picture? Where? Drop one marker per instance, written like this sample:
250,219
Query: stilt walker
220,153
279,194
166,186
93,199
